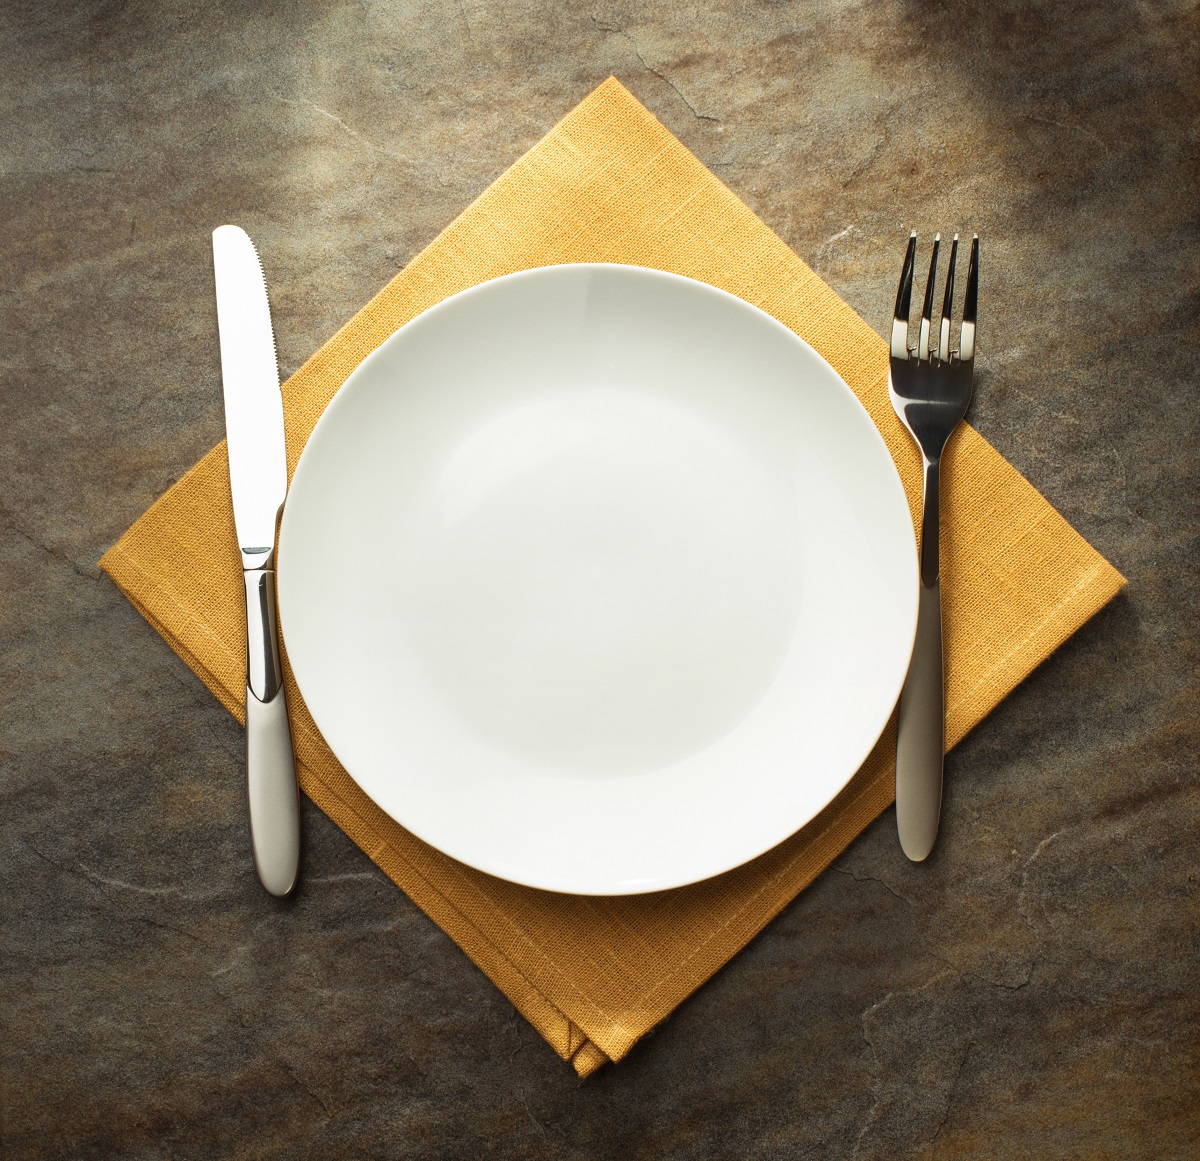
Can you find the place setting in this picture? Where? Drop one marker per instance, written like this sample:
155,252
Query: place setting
607,575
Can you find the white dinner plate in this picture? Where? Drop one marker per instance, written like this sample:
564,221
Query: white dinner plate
598,579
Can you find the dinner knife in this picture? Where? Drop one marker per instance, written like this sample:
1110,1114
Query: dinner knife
258,479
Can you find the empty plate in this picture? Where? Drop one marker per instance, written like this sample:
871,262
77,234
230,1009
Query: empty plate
598,579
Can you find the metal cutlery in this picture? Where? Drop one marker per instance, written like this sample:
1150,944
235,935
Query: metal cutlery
930,388
258,478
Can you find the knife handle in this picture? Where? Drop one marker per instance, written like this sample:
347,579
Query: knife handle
270,766
921,730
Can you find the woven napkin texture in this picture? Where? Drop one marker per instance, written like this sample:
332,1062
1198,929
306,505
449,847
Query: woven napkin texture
610,184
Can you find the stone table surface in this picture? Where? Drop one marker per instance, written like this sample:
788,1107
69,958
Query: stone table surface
1032,991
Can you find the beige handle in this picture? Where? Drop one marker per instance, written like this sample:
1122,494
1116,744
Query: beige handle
274,797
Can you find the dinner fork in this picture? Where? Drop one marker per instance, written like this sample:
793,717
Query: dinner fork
930,388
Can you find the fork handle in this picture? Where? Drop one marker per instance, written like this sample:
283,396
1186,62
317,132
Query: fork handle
920,740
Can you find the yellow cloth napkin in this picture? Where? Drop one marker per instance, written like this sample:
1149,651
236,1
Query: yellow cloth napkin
610,184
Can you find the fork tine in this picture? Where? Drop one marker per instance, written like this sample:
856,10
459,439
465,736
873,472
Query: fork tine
947,305
927,309
966,342
904,301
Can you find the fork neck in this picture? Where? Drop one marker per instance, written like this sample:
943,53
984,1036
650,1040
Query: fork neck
930,523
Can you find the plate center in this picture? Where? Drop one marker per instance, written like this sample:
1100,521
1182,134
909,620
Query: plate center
603,580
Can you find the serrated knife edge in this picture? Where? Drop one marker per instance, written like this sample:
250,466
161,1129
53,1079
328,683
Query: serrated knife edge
253,404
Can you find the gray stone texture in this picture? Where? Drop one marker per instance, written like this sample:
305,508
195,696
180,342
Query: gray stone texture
1031,992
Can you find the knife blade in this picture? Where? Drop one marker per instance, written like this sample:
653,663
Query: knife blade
258,481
